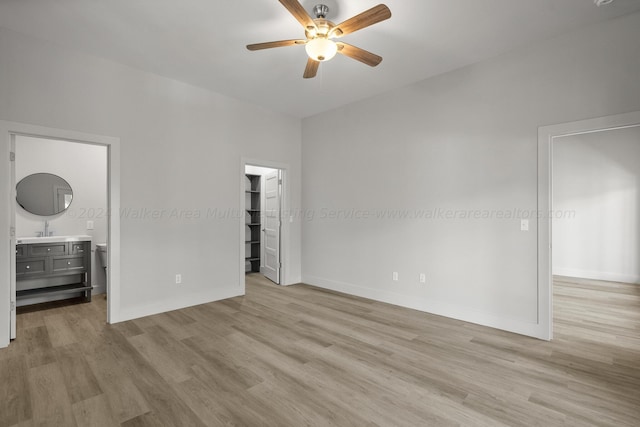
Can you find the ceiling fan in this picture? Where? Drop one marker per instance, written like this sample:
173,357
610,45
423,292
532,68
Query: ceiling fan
320,33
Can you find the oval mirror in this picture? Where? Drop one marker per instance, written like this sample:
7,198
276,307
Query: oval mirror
44,194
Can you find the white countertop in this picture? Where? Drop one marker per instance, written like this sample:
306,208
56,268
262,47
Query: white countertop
51,239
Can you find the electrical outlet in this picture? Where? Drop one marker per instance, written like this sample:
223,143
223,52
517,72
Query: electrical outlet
395,276
178,279
524,225
423,278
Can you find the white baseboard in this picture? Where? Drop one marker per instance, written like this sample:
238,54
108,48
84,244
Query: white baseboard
184,301
440,308
596,275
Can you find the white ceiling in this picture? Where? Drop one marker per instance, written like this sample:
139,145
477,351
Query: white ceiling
202,42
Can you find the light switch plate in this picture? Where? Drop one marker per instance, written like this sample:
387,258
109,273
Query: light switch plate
524,225
89,225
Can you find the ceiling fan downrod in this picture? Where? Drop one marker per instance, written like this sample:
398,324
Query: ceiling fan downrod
321,11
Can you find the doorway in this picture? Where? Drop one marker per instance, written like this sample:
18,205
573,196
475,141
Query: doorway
12,131
77,206
589,205
261,240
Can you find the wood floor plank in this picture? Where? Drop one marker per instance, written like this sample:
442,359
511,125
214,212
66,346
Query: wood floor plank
30,319
94,412
589,410
514,412
218,401
79,380
128,329
302,355
153,344
166,407
15,397
176,324
60,330
125,399
359,387
37,346
223,356
49,398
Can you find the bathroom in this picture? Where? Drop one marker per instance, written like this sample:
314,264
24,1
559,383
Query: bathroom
76,176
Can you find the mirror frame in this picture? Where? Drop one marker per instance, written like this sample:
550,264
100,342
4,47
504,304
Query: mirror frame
56,183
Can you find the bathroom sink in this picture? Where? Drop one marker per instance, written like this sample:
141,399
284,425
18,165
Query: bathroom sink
51,239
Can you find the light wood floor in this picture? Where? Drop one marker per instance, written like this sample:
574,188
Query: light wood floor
300,355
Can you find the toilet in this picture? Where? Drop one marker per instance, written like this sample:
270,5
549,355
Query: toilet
101,248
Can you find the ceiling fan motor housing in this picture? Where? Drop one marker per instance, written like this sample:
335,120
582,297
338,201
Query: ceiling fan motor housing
322,29
320,10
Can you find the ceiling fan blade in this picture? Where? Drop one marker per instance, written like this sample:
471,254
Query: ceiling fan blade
371,59
368,17
297,10
269,45
311,69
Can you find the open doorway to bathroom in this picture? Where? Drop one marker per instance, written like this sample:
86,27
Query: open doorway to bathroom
8,324
262,237
61,226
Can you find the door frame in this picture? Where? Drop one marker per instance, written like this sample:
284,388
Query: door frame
546,137
8,130
285,210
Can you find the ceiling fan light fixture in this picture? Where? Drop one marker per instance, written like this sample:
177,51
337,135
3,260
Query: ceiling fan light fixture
319,33
321,49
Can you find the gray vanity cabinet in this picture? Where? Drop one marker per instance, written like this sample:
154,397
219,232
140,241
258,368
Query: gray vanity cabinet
52,269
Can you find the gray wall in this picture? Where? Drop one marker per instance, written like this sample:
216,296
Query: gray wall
456,154
180,158
596,182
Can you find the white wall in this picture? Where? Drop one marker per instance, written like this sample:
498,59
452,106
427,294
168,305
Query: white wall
180,157
452,147
84,167
596,181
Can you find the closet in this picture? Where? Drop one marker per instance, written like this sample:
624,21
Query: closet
253,225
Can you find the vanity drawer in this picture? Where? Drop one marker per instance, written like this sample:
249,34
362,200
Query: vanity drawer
48,249
66,264
79,248
31,266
